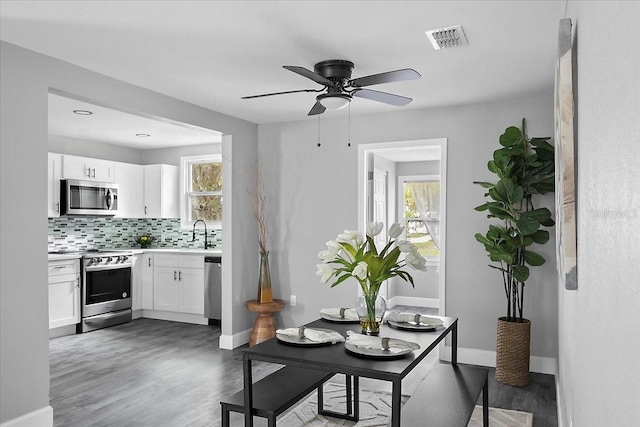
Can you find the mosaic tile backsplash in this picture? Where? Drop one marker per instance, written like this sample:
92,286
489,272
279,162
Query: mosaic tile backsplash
82,233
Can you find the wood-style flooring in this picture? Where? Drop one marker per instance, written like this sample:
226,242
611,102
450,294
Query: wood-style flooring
158,373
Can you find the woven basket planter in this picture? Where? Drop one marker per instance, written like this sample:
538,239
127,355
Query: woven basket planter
512,352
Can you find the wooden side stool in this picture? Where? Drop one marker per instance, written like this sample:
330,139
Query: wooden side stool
265,325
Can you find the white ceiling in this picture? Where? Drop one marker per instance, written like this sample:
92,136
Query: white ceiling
211,53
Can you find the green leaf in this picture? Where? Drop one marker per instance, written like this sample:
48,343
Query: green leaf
484,207
340,280
540,237
533,258
484,184
540,214
520,272
527,225
511,136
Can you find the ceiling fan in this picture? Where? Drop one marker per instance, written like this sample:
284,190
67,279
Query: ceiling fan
339,88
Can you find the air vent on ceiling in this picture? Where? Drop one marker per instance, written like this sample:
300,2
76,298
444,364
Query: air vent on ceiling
445,38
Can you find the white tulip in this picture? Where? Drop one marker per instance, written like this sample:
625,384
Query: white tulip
328,255
333,244
325,271
395,230
354,238
360,270
416,261
374,228
407,247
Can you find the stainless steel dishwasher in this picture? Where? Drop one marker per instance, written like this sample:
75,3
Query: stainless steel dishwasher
213,288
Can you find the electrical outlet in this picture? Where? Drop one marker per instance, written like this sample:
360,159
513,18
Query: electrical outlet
292,300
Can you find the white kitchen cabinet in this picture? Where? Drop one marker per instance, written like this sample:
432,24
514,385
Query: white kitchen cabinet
87,169
130,180
161,191
178,283
64,293
146,281
54,172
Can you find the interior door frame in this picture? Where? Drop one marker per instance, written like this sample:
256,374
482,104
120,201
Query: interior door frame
363,158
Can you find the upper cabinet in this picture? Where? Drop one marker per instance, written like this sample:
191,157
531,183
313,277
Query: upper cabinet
161,191
87,169
130,180
53,185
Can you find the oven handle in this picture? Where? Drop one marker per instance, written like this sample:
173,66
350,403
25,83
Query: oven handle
107,267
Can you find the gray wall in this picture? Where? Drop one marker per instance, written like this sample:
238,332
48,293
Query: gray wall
25,78
313,201
599,377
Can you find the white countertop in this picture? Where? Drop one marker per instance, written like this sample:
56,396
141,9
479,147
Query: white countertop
137,251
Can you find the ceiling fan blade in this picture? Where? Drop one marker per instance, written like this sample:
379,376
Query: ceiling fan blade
388,77
281,93
316,109
308,74
387,98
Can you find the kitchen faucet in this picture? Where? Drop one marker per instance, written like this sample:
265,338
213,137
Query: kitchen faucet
206,243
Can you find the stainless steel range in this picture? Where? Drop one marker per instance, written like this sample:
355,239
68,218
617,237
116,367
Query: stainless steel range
106,290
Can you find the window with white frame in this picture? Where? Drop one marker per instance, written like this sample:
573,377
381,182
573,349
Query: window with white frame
201,190
419,205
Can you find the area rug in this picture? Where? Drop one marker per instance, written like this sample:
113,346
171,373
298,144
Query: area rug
375,408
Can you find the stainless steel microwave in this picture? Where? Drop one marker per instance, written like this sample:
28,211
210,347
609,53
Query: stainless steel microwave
88,197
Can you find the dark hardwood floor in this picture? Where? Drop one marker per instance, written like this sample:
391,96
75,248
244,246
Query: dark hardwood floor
158,373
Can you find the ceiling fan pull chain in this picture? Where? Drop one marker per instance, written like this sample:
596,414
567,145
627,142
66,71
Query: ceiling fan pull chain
349,128
318,130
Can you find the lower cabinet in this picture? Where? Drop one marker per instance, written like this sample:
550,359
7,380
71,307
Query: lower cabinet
64,293
142,282
178,283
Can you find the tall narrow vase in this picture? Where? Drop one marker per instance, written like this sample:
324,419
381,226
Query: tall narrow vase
264,279
370,309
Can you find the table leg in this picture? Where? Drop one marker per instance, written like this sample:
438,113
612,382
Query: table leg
248,391
396,403
454,344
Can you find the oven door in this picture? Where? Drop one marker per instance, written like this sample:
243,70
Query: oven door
106,289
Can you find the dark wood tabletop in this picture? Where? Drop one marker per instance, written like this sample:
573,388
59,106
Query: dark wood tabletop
334,358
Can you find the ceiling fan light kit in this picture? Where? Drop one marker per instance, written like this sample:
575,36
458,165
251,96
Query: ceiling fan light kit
339,89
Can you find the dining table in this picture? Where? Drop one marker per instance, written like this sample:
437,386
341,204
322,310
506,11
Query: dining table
341,359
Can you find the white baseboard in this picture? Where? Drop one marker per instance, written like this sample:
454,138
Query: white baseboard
196,319
229,342
559,402
62,331
414,301
472,356
42,417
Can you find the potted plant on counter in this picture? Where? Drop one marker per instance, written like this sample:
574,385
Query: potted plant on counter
524,168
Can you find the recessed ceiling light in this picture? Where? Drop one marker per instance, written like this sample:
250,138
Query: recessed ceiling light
83,112
143,135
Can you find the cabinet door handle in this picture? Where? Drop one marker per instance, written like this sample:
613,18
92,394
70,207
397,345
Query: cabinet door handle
174,275
149,259
179,275
77,282
58,207
93,171
145,210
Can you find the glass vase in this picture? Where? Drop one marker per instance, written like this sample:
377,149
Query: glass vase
370,309
264,279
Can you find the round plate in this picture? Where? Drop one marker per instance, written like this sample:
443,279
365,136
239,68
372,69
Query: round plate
286,339
412,326
337,319
375,353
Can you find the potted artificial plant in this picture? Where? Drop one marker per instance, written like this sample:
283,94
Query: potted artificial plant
524,167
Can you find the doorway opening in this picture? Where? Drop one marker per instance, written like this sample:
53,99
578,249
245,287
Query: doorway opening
405,182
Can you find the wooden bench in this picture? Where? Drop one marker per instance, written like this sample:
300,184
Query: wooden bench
279,391
447,397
